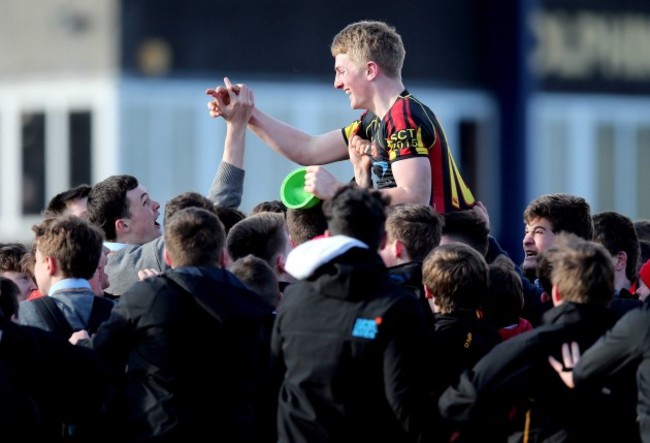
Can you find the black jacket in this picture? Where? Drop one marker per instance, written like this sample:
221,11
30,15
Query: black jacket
409,276
456,342
625,347
196,346
44,382
347,343
623,301
459,339
516,373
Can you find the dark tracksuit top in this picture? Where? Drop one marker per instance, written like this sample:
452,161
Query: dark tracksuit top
347,343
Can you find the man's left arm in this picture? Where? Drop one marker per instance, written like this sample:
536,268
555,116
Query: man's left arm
413,181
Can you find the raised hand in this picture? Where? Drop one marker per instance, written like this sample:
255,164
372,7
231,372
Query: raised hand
570,357
222,97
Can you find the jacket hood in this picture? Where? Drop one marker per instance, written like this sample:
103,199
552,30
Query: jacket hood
303,260
220,292
352,276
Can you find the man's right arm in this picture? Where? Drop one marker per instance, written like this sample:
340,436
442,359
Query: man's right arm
488,389
297,146
235,104
623,344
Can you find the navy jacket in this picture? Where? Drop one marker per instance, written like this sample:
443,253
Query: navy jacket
195,346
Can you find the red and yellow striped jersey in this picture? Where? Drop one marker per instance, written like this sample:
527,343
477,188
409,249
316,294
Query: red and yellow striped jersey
410,129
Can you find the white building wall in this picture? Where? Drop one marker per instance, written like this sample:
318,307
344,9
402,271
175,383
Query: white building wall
56,98
564,150
160,131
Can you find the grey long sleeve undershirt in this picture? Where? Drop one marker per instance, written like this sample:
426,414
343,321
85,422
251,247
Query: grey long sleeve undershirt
228,186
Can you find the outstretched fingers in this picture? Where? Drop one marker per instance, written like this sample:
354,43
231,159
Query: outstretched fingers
570,356
224,95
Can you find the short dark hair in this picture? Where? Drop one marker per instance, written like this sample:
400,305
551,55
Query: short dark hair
229,216
505,297
642,227
645,251
28,261
417,226
73,242
187,200
543,272
11,255
616,233
270,206
306,223
107,203
264,235
59,203
565,213
359,213
194,237
467,227
258,276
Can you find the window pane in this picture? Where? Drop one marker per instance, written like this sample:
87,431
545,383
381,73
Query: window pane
555,161
80,147
606,150
33,159
643,177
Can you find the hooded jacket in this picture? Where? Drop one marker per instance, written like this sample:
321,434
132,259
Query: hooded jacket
195,345
347,344
517,373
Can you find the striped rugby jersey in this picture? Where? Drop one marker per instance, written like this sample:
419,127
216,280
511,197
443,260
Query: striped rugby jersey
410,129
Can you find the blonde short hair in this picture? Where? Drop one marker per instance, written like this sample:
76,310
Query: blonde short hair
375,41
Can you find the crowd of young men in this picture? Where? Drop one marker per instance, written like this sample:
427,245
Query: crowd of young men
385,314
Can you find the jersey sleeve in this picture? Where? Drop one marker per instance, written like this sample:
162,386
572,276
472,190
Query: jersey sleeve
358,127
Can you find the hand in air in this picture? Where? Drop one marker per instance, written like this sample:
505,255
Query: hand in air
570,357
230,101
